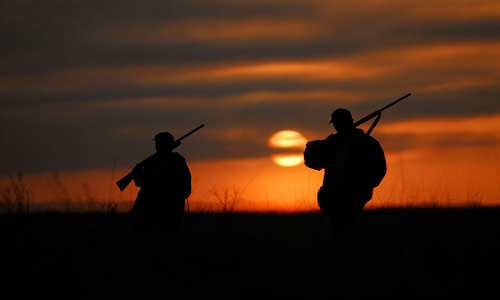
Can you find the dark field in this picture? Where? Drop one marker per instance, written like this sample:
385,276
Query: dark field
396,254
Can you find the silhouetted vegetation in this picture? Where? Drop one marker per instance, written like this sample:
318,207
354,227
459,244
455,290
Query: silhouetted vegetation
15,197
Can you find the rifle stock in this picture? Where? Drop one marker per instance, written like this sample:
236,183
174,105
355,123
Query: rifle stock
127,179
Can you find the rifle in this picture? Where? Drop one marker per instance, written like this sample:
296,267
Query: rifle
125,181
378,113
315,156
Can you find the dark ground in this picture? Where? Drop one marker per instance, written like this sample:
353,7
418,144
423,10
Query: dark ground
396,254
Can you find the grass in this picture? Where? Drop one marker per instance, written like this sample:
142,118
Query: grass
15,197
89,249
226,201
396,254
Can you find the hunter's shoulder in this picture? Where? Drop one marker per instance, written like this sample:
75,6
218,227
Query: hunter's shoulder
361,136
177,156
320,143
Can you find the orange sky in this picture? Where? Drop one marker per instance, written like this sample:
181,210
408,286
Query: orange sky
83,91
426,177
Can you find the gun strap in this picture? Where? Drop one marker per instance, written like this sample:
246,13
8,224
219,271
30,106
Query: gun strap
374,123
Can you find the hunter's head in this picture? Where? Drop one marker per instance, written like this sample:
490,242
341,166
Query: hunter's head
164,142
342,120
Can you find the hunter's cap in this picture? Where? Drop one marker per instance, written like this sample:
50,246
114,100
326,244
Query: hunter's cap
341,115
164,136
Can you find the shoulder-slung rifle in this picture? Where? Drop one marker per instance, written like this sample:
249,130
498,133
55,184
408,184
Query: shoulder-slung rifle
377,114
125,181
318,153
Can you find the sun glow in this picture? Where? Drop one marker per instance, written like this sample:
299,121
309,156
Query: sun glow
289,160
287,139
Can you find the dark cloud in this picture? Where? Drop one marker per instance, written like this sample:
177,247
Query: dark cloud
67,102
47,36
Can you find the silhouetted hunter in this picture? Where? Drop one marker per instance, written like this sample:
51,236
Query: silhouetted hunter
354,164
165,183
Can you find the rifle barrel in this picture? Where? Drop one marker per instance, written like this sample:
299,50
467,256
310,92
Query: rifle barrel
377,112
405,96
189,133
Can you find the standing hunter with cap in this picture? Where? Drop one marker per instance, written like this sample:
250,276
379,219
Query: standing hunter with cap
165,184
354,164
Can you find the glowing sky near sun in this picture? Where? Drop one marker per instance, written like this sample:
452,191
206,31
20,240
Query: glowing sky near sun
288,140
85,86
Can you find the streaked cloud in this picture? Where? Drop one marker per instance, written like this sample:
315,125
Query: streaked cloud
91,79
210,30
474,125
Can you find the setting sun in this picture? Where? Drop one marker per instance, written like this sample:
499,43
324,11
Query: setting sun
288,139
289,160
408,198
262,94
